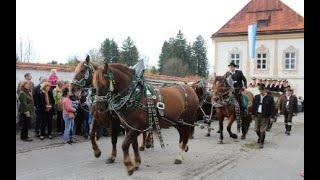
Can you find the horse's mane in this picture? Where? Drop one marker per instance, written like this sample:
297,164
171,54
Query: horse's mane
99,78
218,79
79,66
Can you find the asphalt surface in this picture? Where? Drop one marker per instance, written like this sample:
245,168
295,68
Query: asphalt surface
281,158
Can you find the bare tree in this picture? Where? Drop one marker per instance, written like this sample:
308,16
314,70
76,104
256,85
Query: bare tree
21,49
25,50
95,55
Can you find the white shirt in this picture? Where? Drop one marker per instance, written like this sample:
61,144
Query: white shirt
260,106
288,98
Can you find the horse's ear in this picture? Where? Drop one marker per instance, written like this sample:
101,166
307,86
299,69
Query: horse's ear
106,67
87,59
214,77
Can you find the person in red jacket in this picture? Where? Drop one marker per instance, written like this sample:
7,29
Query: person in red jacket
68,110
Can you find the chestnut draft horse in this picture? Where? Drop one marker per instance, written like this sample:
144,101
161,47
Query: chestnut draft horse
82,80
133,101
224,106
206,109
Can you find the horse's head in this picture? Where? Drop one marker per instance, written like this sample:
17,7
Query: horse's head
83,76
112,79
218,84
200,88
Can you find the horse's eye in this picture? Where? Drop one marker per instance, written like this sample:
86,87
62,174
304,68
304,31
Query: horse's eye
82,71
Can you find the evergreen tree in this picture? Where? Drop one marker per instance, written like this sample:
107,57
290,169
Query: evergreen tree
176,55
129,54
199,55
110,51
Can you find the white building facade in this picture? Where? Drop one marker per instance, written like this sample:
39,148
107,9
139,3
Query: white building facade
279,51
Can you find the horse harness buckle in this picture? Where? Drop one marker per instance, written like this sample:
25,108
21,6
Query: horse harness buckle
160,105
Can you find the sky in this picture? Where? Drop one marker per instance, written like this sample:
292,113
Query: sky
61,29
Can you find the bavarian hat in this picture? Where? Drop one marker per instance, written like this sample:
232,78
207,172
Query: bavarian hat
289,89
262,87
232,64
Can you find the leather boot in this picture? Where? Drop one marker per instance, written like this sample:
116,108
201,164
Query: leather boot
258,133
269,126
289,129
262,136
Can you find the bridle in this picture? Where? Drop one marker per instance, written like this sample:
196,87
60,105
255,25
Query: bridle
83,81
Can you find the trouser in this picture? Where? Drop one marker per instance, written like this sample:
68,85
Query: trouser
261,124
24,126
68,131
47,121
39,119
60,121
85,123
288,120
239,98
78,121
90,120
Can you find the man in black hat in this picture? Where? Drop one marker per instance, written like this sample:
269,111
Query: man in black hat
239,85
288,106
263,111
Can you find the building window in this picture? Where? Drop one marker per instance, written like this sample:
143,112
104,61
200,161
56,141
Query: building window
262,23
290,61
261,61
235,58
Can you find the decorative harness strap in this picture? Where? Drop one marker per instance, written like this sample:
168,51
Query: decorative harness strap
82,82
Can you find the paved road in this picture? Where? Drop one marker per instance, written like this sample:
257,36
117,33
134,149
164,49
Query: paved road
282,158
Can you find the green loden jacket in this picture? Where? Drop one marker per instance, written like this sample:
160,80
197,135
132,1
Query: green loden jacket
26,102
57,94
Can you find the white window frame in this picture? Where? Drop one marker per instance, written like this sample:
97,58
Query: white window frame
235,59
288,61
260,61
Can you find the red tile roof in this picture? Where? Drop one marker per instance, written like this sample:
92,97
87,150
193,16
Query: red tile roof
38,66
282,19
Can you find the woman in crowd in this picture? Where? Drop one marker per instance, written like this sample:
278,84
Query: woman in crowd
68,115
57,94
46,104
25,109
53,79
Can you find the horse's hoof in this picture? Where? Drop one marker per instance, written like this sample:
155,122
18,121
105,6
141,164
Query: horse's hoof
97,155
148,146
136,168
220,142
219,131
109,161
177,161
207,135
187,149
243,137
130,172
141,148
234,136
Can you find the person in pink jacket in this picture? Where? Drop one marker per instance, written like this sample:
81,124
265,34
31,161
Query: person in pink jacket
53,79
67,109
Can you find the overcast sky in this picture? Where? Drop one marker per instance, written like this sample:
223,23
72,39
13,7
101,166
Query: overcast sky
60,29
